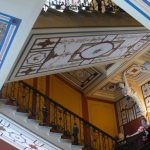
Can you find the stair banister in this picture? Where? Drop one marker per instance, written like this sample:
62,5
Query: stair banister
62,120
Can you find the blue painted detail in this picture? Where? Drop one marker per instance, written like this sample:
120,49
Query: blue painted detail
3,21
11,21
9,16
138,9
147,2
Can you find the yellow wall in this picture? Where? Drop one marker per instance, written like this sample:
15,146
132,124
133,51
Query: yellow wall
41,84
29,81
60,92
103,116
66,96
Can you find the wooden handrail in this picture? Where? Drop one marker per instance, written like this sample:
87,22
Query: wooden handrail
67,110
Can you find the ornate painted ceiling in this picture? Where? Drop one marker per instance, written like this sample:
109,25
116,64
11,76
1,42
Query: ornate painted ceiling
111,91
50,52
81,78
91,61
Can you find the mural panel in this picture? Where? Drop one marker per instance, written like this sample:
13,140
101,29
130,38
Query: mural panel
48,53
8,28
146,94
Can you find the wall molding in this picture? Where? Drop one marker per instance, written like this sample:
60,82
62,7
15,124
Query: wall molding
99,100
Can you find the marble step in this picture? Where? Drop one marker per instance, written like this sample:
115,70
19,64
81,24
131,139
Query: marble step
33,126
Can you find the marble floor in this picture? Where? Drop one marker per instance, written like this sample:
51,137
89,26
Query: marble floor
20,137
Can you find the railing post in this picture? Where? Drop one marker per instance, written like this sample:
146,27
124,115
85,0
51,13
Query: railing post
48,104
44,115
75,134
11,100
87,137
86,128
0,93
32,114
22,100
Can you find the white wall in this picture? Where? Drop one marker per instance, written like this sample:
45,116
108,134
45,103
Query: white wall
27,11
137,9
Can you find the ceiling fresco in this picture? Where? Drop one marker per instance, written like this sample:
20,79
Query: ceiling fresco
86,77
133,71
81,78
92,63
134,75
111,87
110,91
50,53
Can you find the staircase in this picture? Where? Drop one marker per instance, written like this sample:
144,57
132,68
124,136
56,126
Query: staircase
48,119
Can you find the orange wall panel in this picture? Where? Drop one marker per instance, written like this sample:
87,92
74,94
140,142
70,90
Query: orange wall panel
103,116
41,84
29,81
66,96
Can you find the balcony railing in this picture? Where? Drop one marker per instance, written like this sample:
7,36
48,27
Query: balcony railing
102,6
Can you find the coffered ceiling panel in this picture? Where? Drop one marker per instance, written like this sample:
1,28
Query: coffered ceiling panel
135,73
50,51
110,91
111,87
81,78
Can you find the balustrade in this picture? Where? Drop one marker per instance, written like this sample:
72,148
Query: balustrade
102,6
61,120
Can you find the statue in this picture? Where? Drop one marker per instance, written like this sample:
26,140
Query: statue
128,91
